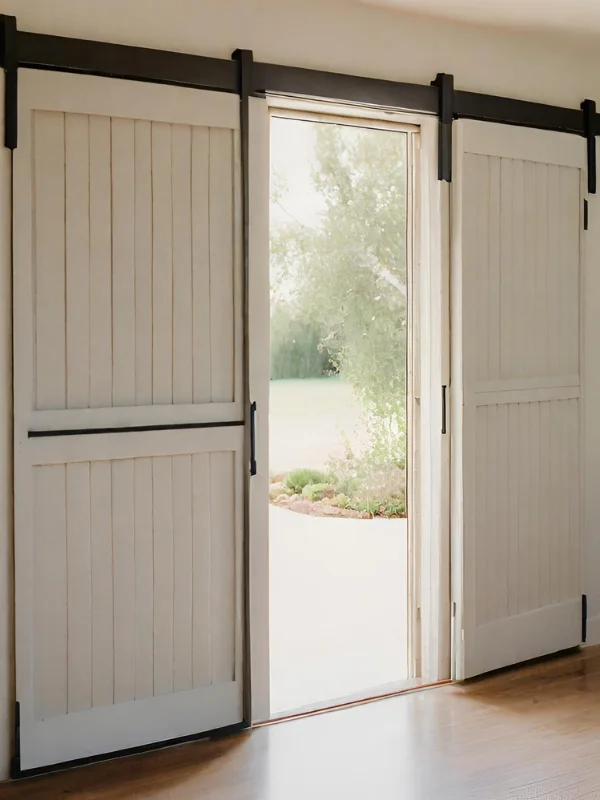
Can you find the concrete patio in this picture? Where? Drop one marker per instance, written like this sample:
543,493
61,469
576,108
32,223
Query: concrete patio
338,607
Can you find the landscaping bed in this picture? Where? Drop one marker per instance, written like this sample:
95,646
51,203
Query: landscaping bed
327,495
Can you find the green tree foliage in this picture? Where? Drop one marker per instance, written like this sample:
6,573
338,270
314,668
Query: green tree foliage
296,340
349,272
296,345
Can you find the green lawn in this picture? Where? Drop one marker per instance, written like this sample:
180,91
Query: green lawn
308,421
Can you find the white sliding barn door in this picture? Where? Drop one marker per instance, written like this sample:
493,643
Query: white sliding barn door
516,390
128,314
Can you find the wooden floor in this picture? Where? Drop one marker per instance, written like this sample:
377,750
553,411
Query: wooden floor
530,733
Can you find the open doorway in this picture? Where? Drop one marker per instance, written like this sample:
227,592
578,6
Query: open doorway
340,409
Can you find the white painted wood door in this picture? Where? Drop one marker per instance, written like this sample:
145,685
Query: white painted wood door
516,392
127,313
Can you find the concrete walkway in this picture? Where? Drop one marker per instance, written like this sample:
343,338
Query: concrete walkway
338,607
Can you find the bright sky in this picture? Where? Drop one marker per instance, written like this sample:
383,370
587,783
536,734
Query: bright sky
292,144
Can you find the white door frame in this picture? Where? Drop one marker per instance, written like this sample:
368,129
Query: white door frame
6,461
433,361
259,300
430,578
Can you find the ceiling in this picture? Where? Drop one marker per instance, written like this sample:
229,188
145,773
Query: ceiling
573,17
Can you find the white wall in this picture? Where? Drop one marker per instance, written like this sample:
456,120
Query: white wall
338,35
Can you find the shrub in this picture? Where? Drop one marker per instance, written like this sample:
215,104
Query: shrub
347,485
278,489
317,491
378,495
370,506
299,478
341,501
372,480
394,507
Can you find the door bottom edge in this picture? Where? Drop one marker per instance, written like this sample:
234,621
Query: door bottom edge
16,773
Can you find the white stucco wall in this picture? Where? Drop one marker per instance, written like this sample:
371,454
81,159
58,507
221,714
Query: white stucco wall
344,36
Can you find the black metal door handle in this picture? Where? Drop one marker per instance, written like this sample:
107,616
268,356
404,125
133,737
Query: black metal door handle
444,409
253,438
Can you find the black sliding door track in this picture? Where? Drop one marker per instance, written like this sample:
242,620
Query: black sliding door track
39,51
42,51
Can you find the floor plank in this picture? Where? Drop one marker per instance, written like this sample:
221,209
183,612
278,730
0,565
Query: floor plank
532,732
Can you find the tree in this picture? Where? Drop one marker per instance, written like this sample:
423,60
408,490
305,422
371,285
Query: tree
349,271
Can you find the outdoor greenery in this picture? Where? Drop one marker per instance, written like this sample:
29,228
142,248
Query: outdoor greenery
317,491
296,348
394,507
299,478
342,491
339,298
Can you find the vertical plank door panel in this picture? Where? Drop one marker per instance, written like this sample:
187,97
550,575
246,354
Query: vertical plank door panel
221,265
162,497
123,526
201,324
102,584
201,579
100,206
182,265
183,559
123,228
162,266
506,268
143,263
49,237
77,221
223,560
79,587
50,603
144,580
495,276
547,578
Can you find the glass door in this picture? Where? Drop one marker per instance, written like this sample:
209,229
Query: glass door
340,283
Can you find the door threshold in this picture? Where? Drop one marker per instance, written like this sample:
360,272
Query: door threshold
405,687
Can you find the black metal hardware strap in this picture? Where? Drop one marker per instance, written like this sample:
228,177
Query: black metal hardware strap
245,82
589,131
445,87
178,426
10,63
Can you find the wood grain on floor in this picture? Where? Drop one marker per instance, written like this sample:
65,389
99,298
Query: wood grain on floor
531,733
